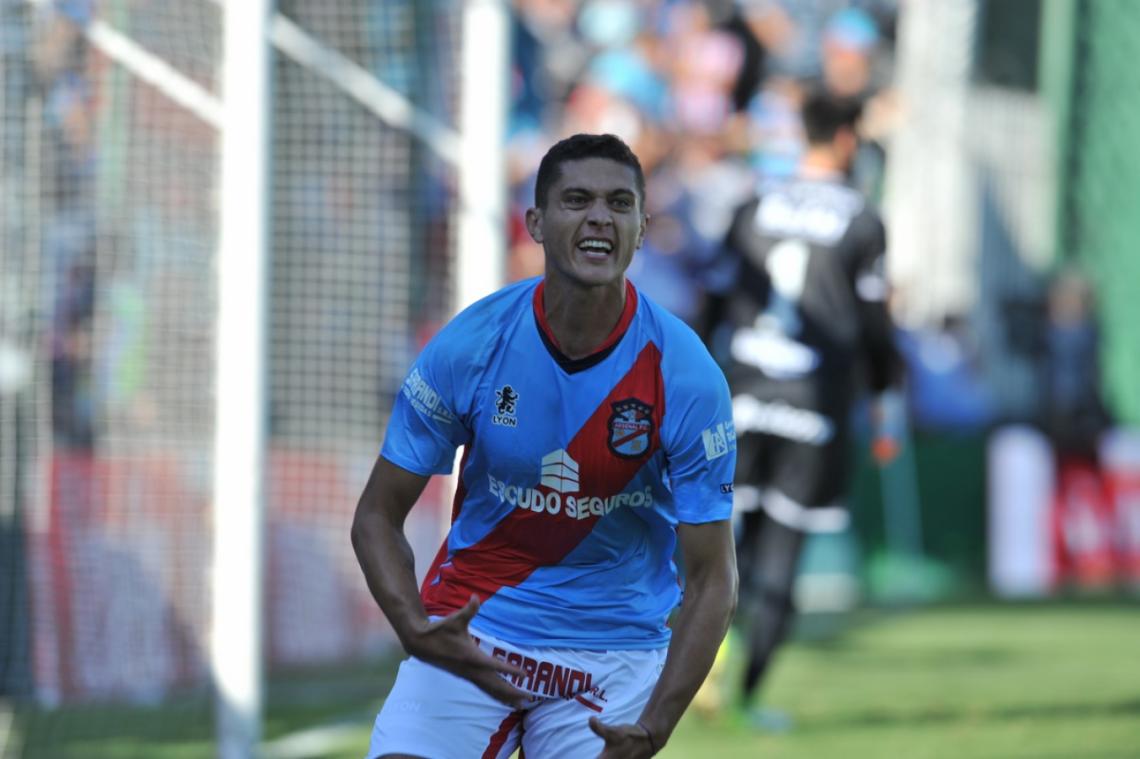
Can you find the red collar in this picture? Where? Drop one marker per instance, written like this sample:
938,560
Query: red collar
610,341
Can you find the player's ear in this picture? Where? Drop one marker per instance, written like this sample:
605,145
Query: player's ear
534,223
641,230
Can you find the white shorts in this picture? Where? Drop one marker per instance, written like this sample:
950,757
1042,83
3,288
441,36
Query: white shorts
434,714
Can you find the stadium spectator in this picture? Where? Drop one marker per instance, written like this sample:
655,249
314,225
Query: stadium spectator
851,67
1075,412
1089,536
848,44
792,32
679,82
59,61
542,622
946,387
805,312
72,380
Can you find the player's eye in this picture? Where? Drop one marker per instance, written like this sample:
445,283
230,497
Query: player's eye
622,203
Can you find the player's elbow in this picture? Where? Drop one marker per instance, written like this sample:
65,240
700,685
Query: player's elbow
359,533
732,594
727,585
721,587
355,534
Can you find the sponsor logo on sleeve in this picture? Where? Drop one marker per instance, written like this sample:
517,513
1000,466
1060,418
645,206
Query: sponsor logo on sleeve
726,487
719,440
426,399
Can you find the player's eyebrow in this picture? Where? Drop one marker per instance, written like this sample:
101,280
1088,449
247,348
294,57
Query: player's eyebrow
608,193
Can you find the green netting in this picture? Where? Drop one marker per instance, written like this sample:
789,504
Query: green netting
1102,197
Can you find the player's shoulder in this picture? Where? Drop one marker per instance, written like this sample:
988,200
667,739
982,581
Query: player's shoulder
862,225
868,217
866,230
834,193
477,330
489,314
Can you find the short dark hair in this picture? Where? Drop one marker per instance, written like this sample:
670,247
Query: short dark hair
578,147
824,114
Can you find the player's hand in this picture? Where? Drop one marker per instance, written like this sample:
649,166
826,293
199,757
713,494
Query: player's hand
885,449
890,420
623,741
446,643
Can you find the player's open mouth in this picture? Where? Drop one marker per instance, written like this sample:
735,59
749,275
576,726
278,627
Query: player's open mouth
596,247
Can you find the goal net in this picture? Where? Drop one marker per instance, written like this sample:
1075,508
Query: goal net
110,122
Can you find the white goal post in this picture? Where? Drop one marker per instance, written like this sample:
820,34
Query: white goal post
240,376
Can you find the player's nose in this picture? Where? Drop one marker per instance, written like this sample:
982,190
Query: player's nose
599,213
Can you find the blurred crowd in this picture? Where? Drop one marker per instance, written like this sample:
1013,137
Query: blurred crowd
706,91
707,94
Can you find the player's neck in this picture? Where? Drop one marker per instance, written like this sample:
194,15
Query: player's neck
821,162
581,318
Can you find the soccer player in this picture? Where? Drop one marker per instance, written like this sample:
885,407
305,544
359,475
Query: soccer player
597,436
805,315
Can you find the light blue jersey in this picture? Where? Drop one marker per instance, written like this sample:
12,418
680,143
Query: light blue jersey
574,474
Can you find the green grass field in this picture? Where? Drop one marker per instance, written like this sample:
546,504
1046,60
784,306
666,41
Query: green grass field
1038,680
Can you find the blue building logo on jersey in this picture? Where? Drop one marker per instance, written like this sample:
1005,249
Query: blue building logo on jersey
506,403
631,428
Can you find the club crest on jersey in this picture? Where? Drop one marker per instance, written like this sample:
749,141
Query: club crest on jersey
506,403
631,428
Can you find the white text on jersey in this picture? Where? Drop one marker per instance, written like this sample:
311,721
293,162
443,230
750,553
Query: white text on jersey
575,506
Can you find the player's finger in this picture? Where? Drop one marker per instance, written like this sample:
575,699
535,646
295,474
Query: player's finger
500,689
505,667
460,618
601,729
477,660
468,612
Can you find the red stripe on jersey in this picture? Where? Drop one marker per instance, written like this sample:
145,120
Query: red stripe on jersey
525,540
456,505
499,739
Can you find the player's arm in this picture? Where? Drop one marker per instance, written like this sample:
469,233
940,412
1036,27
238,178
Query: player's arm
885,366
872,293
887,370
386,558
710,598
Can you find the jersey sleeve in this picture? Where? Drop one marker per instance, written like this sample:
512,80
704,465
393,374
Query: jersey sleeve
871,291
427,426
699,438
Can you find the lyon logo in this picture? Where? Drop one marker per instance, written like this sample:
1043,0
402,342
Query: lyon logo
505,400
631,428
